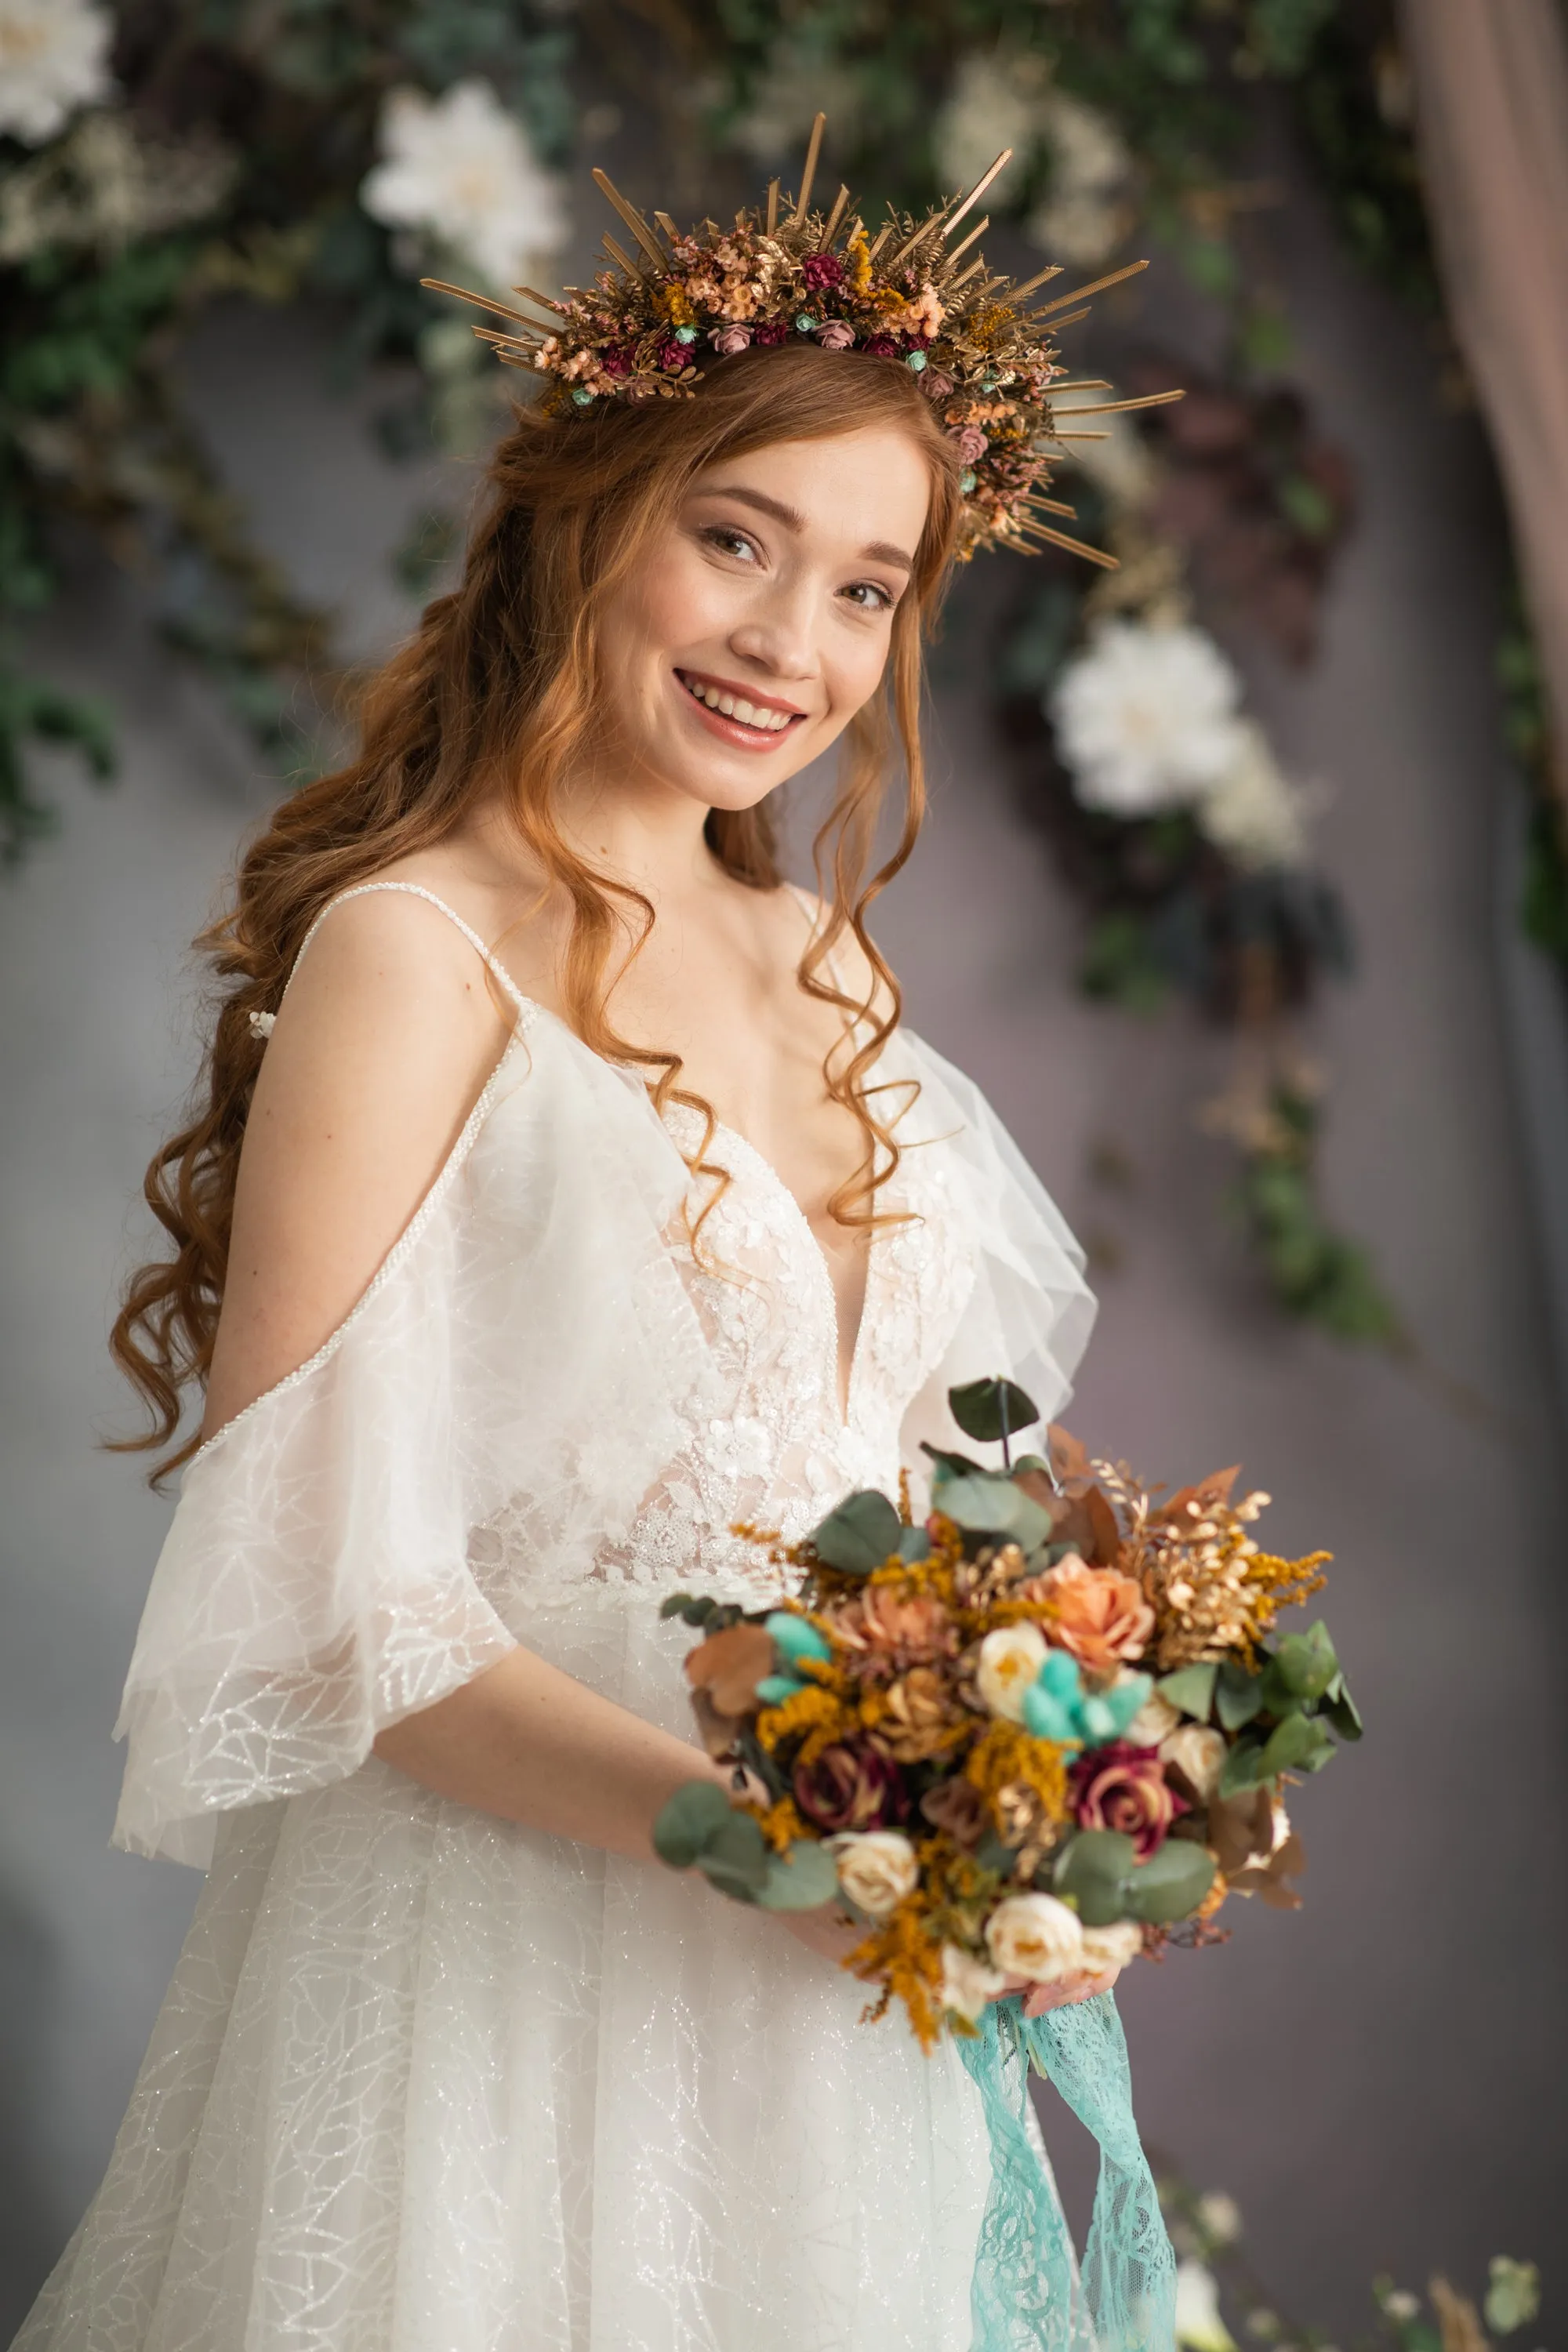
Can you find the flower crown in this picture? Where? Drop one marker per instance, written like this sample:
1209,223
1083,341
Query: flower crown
985,360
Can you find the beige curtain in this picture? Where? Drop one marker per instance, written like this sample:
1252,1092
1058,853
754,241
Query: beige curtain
1492,100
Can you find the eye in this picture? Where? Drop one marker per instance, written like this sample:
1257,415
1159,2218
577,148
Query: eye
729,542
885,602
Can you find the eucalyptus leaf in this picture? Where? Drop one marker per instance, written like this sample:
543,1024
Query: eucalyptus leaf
688,1820
1171,1884
914,1544
859,1535
991,1410
799,1879
1291,1744
1243,1769
1191,1688
675,1604
987,1503
945,1465
991,1853
1238,1695
735,1858
1340,1709
1093,1872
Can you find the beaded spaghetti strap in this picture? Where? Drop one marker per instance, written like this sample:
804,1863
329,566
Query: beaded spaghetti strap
262,1022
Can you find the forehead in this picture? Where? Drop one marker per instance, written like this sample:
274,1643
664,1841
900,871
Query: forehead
869,484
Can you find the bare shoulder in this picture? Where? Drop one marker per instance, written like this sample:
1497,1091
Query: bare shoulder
385,1040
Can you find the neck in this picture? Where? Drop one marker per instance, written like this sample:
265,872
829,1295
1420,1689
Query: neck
649,835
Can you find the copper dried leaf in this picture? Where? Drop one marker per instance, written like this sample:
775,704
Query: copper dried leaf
728,1666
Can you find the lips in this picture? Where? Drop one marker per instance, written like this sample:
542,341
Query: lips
741,716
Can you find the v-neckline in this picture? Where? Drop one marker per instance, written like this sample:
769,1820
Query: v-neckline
843,1407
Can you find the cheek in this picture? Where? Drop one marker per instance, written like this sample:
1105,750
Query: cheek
856,669
675,602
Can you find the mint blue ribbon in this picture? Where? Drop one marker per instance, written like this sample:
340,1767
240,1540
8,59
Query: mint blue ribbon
1029,2293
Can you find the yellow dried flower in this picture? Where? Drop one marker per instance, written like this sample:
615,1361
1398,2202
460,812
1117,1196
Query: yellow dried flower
1007,1755
819,1712
781,1823
858,253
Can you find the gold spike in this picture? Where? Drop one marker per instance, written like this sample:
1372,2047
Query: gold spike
501,344
1115,407
1078,436
772,220
839,202
978,230
1079,292
488,302
976,192
1027,287
618,253
881,239
1070,320
668,226
1082,383
629,214
809,173
965,276
1073,546
918,236
1050,506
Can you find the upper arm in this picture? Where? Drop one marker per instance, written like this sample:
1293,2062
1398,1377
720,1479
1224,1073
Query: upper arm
388,1033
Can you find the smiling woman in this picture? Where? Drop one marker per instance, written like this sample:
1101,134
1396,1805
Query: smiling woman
567,1196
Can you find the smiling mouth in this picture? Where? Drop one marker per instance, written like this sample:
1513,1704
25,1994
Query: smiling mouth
740,719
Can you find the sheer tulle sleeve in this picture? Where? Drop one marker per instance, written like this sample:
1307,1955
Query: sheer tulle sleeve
1029,1311
528,1343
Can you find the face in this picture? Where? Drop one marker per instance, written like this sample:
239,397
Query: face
762,619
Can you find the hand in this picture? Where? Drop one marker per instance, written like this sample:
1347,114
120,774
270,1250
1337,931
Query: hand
828,1930
1059,1991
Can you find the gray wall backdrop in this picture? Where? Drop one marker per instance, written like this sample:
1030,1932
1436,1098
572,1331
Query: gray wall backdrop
1373,2079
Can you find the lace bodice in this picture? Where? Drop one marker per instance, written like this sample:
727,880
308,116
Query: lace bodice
546,1404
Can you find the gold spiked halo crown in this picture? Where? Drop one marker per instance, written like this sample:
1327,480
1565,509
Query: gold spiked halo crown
981,350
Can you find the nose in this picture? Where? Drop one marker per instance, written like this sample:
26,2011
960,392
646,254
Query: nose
777,631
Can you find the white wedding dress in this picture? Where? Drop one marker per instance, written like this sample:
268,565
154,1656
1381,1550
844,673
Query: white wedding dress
424,2081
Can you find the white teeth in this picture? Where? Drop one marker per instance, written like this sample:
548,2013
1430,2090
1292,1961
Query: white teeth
768,722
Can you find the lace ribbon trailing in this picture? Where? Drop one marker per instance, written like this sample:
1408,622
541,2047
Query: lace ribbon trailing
1028,2294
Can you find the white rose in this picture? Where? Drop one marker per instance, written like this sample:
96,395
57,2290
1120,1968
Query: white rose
967,1984
1155,1720
1112,1947
1010,1659
1036,1936
1199,1754
877,1868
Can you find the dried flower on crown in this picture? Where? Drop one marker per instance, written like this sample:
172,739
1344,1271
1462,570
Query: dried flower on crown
983,356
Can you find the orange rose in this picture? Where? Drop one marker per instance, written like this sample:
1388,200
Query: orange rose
897,1632
1097,1614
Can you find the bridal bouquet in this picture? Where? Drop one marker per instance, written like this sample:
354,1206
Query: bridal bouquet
1044,1731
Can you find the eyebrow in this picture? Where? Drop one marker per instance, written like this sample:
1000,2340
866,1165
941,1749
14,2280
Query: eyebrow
879,551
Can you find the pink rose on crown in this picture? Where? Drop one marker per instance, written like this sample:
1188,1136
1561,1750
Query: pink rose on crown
835,334
970,442
1120,1787
726,340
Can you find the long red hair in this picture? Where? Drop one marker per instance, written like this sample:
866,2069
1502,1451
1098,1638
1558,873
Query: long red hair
498,684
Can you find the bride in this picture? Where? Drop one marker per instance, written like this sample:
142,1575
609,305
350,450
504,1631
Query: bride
566,1191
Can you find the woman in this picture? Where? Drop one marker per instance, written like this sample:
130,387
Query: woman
568,1192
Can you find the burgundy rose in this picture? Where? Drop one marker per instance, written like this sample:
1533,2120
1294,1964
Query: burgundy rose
881,347
673,355
616,362
851,1789
821,270
728,341
1120,1787
776,330
972,442
835,334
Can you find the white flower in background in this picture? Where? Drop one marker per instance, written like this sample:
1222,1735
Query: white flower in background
54,56
106,182
967,1984
1251,811
459,170
1198,2323
1146,717
877,1868
1010,1659
1085,212
1113,1948
1220,2216
1034,1937
994,101
798,82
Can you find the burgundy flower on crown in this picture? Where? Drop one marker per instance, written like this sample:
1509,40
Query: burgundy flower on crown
673,355
1120,1787
835,334
881,347
727,340
776,330
822,270
616,362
